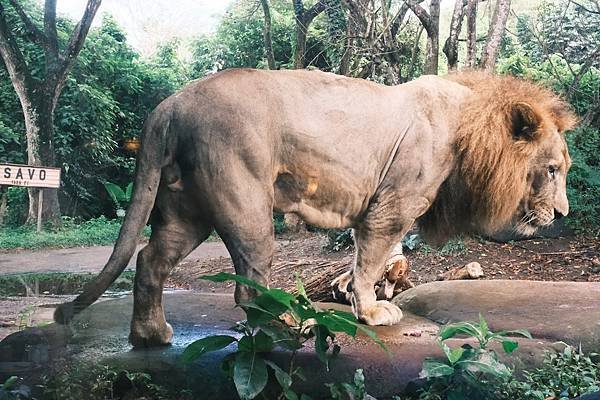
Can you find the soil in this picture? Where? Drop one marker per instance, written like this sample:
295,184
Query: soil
564,259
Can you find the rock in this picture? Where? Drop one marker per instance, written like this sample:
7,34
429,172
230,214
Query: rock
596,265
472,270
553,311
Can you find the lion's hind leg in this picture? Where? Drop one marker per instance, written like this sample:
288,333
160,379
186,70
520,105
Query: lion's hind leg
170,242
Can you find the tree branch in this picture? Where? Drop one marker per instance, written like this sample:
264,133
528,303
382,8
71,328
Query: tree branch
422,14
78,37
12,56
34,33
51,47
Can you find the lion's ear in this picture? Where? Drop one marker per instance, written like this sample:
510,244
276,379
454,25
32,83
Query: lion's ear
565,119
525,122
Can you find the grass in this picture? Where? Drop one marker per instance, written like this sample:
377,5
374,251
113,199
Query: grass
58,283
95,232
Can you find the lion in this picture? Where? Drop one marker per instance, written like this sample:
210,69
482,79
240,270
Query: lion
468,153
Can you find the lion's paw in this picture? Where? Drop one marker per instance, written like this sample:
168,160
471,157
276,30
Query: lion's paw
341,288
145,334
382,313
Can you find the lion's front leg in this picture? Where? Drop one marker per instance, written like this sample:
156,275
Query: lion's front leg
384,225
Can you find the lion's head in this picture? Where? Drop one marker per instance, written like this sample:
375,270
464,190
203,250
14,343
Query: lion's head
512,160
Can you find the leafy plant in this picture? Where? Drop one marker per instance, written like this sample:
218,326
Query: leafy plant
11,390
353,391
275,319
454,246
563,376
87,381
120,197
468,372
338,240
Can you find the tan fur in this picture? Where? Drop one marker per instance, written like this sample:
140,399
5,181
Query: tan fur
491,177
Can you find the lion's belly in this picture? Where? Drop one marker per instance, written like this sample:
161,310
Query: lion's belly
320,200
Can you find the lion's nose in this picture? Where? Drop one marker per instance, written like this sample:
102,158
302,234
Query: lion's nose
557,214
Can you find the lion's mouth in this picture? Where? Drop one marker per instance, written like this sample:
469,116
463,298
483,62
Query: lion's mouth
531,221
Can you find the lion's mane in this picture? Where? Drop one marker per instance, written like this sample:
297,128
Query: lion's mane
489,181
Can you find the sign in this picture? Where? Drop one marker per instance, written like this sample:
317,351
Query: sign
27,175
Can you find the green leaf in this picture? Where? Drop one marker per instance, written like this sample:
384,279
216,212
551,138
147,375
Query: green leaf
509,346
281,335
115,192
300,287
257,316
466,328
10,382
453,355
283,378
128,192
290,395
249,375
321,344
225,277
262,342
435,369
276,301
483,326
487,364
336,322
205,345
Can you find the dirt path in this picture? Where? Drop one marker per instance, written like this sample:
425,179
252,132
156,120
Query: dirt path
86,259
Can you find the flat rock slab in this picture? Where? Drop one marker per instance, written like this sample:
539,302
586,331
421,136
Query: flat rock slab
551,311
99,335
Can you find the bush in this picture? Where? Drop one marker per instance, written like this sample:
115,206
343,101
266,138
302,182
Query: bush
562,376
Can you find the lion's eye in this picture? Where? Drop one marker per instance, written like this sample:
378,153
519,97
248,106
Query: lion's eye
552,171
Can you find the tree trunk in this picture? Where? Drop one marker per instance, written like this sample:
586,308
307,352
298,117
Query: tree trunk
268,42
495,33
303,20
413,56
3,203
471,33
433,39
39,97
39,127
431,23
451,45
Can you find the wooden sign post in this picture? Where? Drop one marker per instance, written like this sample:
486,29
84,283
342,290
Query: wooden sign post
31,176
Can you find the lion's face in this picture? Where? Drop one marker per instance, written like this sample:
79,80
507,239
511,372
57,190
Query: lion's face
546,200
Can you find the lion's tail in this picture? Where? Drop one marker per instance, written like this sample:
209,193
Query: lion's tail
150,160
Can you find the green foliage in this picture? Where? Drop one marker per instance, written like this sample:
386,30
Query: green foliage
275,319
56,283
94,232
354,391
121,198
106,382
338,239
106,98
17,207
238,40
454,246
468,372
12,390
563,376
